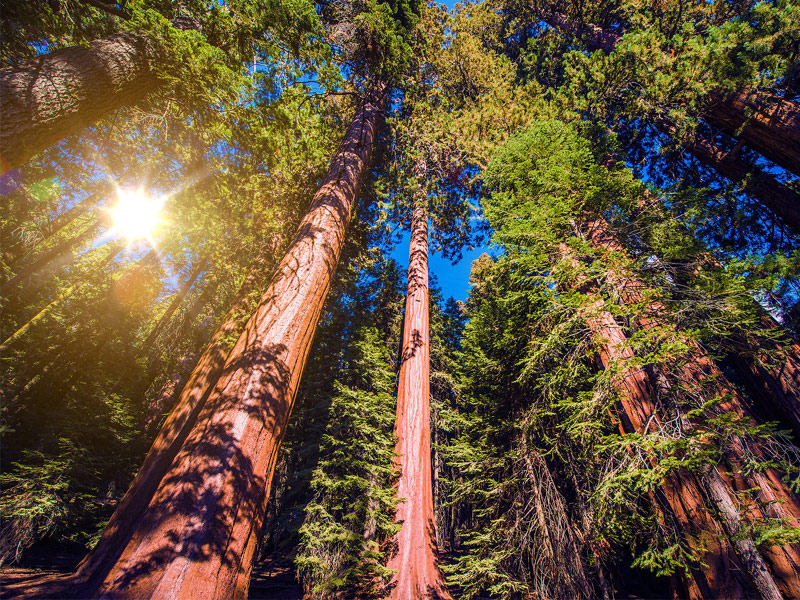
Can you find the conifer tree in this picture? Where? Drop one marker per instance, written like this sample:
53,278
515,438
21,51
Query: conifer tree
702,376
415,560
54,95
232,448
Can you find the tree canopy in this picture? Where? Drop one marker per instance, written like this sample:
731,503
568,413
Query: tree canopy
614,407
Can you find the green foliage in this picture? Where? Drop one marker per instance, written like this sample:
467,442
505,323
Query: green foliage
538,493
351,513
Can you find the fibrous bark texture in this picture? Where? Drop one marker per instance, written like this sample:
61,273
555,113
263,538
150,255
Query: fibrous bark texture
117,534
778,198
774,499
55,95
720,571
766,122
774,379
197,537
415,552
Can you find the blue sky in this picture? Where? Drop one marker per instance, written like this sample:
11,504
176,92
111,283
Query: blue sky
452,278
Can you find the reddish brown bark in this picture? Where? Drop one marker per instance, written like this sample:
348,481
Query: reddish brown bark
775,383
55,95
173,433
596,37
720,572
166,397
766,122
415,555
781,200
197,537
702,375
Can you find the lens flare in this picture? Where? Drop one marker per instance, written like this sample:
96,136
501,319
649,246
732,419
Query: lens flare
136,215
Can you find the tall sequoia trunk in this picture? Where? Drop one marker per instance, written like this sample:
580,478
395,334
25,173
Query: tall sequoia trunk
766,122
197,537
724,561
704,377
774,380
681,501
197,306
166,396
173,433
415,557
777,197
55,95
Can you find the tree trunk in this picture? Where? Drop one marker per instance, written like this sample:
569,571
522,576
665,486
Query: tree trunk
775,380
176,302
55,95
719,573
778,198
197,537
766,122
415,554
49,256
46,310
197,306
166,397
173,433
16,250
703,376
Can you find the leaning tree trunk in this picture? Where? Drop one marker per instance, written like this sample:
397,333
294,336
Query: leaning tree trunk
780,199
50,256
724,557
414,555
55,95
766,122
773,378
117,534
176,302
47,230
197,537
701,374
681,500
19,333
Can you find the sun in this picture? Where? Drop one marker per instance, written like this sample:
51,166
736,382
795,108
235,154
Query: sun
136,215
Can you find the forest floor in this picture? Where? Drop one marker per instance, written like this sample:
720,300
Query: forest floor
268,582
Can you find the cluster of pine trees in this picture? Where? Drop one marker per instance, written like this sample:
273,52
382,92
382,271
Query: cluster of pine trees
613,411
